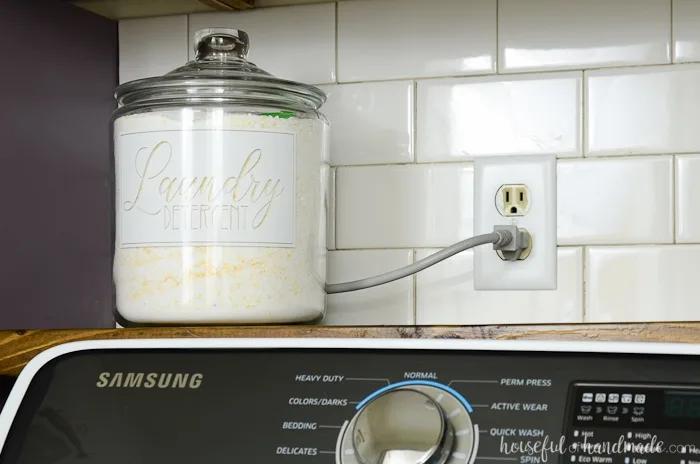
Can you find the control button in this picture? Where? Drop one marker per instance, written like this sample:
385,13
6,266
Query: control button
613,398
627,398
600,397
586,408
640,399
612,409
587,397
638,410
402,426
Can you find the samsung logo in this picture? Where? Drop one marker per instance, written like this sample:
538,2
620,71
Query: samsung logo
150,380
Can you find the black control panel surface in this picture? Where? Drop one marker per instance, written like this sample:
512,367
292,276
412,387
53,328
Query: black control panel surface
292,405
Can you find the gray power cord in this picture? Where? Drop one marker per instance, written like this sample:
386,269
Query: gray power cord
509,239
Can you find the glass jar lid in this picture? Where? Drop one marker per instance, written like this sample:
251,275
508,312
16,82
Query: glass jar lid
220,74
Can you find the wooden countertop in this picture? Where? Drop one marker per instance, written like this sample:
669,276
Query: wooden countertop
18,347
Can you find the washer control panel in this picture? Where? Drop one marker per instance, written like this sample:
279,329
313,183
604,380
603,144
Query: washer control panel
642,422
356,406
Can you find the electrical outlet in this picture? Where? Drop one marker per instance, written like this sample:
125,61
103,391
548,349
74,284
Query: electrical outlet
517,190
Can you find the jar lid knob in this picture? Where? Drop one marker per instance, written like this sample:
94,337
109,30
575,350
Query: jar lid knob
220,43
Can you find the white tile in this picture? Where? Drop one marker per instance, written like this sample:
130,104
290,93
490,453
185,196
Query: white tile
686,34
642,283
408,206
644,110
459,119
330,237
565,34
295,42
395,39
688,199
372,123
445,295
150,47
389,304
615,201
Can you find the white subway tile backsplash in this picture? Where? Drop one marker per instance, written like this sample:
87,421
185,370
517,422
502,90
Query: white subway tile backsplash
372,123
643,110
538,35
404,206
459,119
390,304
615,200
294,42
418,84
688,199
150,47
445,295
686,34
642,283
397,39
608,201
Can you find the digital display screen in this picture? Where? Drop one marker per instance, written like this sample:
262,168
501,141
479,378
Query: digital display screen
683,405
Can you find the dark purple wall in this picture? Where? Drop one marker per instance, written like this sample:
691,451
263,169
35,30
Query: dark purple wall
57,79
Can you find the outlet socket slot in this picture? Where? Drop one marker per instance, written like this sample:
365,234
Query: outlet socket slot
513,200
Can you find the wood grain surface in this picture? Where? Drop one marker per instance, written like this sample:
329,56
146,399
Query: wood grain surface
229,5
18,347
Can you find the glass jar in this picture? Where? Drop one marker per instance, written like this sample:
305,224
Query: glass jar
221,192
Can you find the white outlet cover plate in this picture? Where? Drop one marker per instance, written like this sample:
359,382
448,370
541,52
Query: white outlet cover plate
539,270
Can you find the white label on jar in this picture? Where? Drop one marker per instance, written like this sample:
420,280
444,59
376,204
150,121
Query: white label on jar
206,187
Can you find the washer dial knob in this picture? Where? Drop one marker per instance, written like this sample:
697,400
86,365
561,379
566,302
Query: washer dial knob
402,426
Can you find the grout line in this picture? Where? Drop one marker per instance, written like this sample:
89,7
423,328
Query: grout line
414,142
622,156
624,245
543,72
583,122
498,50
672,43
415,291
335,209
336,43
412,163
188,39
482,75
584,283
674,196
589,245
334,205
471,161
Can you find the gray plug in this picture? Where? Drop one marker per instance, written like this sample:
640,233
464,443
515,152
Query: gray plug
512,250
